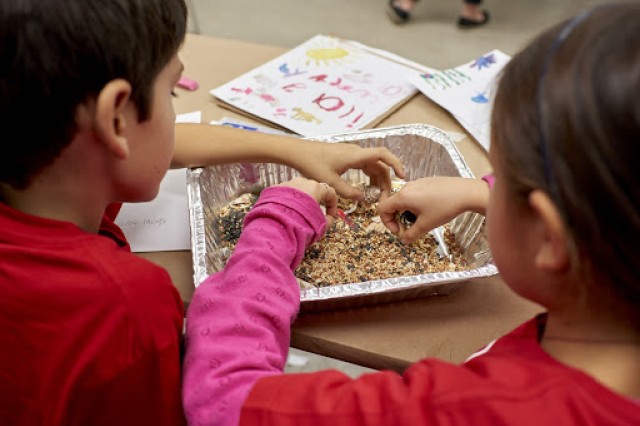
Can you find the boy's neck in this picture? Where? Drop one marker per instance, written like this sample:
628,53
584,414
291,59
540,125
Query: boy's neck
75,188
61,202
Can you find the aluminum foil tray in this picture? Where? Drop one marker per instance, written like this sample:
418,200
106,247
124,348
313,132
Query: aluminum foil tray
424,151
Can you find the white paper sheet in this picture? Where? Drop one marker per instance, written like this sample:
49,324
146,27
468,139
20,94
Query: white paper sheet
161,224
467,91
326,85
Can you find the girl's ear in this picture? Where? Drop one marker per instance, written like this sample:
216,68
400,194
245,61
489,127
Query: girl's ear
110,123
552,253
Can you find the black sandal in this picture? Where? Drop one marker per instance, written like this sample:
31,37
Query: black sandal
397,15
470,23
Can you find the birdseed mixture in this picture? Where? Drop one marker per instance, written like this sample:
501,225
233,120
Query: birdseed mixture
358,248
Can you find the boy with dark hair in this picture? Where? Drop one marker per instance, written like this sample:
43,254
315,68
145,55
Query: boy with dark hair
90,333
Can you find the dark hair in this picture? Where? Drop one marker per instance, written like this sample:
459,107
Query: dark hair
56,54
586,116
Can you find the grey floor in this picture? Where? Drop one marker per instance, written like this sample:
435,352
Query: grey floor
430,38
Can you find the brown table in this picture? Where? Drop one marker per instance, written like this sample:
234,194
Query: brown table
388,336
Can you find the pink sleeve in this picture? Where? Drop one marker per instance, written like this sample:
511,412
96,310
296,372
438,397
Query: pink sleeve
490,179
238,322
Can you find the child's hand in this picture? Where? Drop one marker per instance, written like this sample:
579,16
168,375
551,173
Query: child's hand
435,201
326,162
321,192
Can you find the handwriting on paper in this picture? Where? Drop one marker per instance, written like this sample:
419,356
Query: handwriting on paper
149,221
326,85
161,224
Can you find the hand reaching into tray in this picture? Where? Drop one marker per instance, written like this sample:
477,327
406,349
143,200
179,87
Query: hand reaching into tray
434,201
321,192
199,145
326,162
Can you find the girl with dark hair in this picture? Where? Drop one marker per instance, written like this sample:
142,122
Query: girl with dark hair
563,226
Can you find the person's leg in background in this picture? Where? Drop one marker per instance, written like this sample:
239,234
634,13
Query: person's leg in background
472,15
399,11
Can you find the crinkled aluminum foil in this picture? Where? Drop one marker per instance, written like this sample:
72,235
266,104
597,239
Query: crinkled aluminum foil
424,151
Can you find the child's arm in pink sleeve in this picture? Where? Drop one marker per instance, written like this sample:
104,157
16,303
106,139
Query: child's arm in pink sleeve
238,323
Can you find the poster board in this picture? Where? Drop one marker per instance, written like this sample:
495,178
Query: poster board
326,85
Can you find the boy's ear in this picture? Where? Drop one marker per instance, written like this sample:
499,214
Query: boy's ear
110,123
552,253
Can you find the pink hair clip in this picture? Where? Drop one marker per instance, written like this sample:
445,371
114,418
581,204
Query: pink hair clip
187,83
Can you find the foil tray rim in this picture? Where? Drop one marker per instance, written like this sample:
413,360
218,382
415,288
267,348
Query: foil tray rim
343,291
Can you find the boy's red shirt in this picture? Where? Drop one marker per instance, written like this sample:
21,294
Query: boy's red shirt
90,332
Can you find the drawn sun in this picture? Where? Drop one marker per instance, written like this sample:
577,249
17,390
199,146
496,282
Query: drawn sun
326,55
326,51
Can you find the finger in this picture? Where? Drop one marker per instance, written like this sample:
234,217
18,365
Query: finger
378,172
410,235
379,175
392,205
330,200
392,161
347,191
389,220
384,181
387,209
416,231
330,222
384,195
